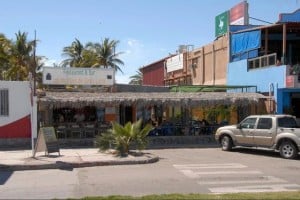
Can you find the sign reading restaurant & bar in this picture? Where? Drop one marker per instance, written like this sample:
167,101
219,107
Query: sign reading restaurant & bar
78,76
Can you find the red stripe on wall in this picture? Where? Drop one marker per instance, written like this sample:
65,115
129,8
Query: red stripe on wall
17,129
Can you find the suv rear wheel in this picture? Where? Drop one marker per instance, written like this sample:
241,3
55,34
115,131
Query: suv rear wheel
226,143
288,150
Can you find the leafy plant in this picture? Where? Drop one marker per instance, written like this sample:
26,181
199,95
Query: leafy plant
121,138
224,112
220,112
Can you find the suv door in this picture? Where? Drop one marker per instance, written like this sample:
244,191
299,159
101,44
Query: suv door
264,134
244,132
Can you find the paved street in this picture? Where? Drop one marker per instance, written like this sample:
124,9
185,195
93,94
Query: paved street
198,170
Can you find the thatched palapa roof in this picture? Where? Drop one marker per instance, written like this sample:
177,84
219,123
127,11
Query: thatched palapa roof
79,99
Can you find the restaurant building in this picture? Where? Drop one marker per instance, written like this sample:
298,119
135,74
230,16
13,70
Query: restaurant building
81,112
177,108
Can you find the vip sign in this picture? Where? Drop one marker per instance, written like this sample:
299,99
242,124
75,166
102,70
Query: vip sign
221,24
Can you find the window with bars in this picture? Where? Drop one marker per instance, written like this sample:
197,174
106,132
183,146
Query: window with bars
4,102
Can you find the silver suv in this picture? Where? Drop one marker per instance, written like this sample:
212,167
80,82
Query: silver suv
276,132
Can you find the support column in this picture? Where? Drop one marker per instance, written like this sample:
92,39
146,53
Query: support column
266,41
202,66
214,64
283,59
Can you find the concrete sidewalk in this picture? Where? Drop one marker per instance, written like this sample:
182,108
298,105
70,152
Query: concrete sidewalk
68,158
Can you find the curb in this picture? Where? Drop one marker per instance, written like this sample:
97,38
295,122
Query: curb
70,165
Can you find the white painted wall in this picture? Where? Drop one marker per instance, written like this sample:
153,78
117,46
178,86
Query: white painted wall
19,100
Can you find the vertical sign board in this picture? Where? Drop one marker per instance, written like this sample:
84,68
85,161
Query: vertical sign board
47,141
239,14
221,24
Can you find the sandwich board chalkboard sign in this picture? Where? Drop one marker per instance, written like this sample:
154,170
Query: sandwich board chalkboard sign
46,141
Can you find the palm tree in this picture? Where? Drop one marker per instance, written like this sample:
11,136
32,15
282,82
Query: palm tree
136,79
89,58
106,55
5,49
73,54
121,137
21,57
36,63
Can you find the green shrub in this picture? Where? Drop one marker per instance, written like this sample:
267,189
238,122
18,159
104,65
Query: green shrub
121,138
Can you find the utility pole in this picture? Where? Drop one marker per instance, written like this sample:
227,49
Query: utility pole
34,65
33,97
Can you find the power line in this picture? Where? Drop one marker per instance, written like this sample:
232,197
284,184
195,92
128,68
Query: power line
260,20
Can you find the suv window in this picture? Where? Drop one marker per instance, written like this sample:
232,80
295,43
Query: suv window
287,122
248,123
264,123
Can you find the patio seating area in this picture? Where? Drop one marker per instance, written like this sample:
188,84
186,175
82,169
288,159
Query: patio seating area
82,130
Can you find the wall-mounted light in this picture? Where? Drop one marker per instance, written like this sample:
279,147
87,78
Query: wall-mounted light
194,65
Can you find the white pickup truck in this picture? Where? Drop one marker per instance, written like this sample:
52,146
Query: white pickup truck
276,132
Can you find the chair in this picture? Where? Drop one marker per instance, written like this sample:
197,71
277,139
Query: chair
76,131
61,131
102,128
89,130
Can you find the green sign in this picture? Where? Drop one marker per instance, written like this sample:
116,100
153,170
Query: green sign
221,24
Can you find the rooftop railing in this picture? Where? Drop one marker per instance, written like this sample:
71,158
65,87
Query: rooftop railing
262,61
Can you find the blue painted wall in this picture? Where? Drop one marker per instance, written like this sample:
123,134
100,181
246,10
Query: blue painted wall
284,98
289,17
238,74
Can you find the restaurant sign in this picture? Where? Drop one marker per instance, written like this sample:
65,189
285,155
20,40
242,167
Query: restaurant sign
77,76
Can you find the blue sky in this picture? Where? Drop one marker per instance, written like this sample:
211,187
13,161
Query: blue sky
148,30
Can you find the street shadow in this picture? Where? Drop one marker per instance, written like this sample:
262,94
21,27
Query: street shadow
64,166
45,157
139,153
58,164
52,156
4,176
260,152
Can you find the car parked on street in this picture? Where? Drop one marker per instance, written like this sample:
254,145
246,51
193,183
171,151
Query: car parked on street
275,132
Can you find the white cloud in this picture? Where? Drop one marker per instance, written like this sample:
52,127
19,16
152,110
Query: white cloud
50,62
133,43
133,49
136,55
130,43
122,79
133,57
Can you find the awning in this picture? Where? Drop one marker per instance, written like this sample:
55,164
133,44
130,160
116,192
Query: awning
80,99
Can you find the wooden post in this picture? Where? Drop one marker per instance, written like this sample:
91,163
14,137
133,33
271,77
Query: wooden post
266,41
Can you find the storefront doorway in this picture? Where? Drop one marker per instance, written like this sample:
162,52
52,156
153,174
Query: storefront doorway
125,114
295,104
